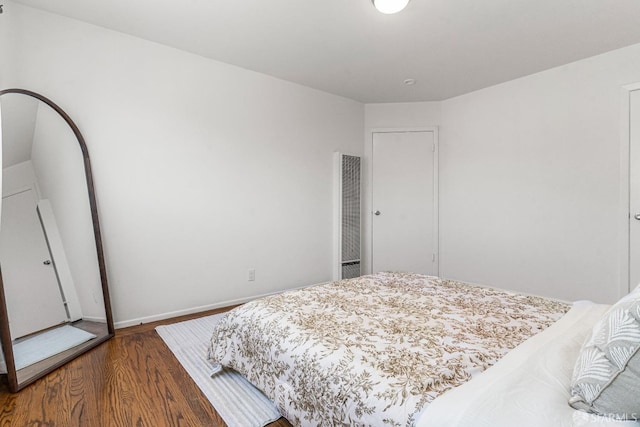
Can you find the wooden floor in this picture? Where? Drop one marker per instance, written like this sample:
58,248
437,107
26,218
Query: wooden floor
131,380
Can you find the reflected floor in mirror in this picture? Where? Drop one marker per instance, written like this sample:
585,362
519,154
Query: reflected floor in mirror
41,351
44,345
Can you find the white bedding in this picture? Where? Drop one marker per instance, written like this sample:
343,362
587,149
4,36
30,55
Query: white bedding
374,350
529,387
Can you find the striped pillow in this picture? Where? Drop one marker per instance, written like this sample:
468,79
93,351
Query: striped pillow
606,377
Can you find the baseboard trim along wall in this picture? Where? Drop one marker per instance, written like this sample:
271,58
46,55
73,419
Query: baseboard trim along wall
178,313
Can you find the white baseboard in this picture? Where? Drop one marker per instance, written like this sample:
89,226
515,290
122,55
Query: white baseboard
95,319
178,313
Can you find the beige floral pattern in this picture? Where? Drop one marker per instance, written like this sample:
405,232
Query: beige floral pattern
376,349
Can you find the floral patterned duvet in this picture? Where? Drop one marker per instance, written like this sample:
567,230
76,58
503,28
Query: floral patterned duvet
376,349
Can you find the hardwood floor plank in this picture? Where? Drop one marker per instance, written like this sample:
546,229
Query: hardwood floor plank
193,396
131,380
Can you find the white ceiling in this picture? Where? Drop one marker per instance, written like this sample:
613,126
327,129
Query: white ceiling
346,47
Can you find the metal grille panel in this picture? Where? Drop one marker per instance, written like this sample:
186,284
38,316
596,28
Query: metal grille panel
351,212
350,270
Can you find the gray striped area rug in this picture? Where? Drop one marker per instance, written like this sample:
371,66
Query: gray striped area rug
237,401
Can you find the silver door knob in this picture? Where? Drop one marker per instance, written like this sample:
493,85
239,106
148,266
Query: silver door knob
377,213
637,216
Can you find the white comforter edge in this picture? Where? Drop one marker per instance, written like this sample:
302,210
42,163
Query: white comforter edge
528,387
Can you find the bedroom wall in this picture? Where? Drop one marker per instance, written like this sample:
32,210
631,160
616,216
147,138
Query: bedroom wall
530,177
4,60
3,365
203,170
6,49
17,177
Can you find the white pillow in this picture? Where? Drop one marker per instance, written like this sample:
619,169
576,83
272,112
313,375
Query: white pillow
606,377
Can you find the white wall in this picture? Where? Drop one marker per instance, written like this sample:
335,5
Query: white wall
530,176
3,365
6,47
18,177
402,115
202,170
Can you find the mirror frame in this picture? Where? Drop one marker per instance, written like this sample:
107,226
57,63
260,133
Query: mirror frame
5,335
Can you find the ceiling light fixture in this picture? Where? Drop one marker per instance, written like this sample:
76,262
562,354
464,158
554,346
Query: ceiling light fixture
390,6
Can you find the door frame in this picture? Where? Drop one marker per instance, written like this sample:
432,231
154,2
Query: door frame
368,211
625,188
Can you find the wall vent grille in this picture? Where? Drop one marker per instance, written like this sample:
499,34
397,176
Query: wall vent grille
350,216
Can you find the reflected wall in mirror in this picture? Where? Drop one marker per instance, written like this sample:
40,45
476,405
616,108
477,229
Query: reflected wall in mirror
54,300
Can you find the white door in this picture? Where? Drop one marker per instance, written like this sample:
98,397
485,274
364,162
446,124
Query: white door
34,301
634,190
403,201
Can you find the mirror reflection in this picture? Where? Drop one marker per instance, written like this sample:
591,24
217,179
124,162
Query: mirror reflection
48,259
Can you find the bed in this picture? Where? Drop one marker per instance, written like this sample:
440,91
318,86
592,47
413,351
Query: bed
399,349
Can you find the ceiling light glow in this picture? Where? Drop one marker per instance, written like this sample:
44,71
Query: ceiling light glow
390,6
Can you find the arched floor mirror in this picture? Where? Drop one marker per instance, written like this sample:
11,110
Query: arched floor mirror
54,298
